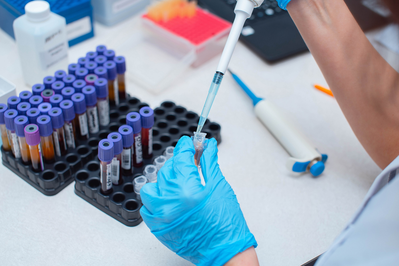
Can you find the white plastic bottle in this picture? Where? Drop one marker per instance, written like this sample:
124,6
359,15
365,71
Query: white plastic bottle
42,42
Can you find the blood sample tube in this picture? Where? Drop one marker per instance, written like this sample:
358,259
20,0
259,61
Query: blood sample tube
133,119
55,100
72,68
113,93
102,101
35,101
91,55
79,84
150,172
25,96
128,149
168,152
138,183
82,61
46,138
57,87
59,75
9,117
47,81
90,66
69,122
57,120
32,136
116,173
13,102
91,109
23,107
101,72
159,162
120,70
46,95
3,129
81,73
37,89
44,108
90,79
82,128
147,122
100,60
21,122
67,92
33,114
105,155
109,54
69,80
101,49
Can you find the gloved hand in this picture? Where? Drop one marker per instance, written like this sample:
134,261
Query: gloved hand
283,3
202,224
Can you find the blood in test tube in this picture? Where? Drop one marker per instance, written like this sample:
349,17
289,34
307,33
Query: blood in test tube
82,61
46,95
113,92
69,80
90,66
44,108
57,87
32,136
9,117
116,173
138,183
128,149
69,122
90,79
169,152
35,101
100,60
3,129
100,49
21,122
105,155
79,84
25,96
101,72
13,102
91,109
23,107
81,73
133,119
55,100
91,55
67,92
82,128
57,120
59,75
47,81
150,172
72,68
33,114
147,122
101,86
37,89
46,138
120,70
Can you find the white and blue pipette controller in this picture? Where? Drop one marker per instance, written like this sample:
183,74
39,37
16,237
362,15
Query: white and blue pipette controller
304,157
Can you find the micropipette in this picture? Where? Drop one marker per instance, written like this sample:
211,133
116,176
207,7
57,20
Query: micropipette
243,10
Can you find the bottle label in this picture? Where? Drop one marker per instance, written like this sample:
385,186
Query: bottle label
92,116
70,138
84,130
56,49
103,111
15,144
40,156
150,141
127,159
56,143
121,5
115,170
106,176
116,92
78,28
139,148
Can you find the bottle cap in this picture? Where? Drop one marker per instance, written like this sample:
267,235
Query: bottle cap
3,109
109,54
9,117
33,114
120,64
133,119
72,68
90,66
82,61
13,102
81,73
79,84
37,11
67,110
46,95
57,87
101,85
147,117
35,100
105,150
90,95
25,95
44,108
20,123
150,172
79,102
91,55
90,79
23,107
59,75
47,81
68,80
45,126
111,69
56,99
67,93
37,89
32,135
116,138
100,60
101,72
169,152
138,183
127,135
101,49
57,117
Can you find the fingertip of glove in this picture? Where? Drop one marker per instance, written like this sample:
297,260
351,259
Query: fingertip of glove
184,143
212,147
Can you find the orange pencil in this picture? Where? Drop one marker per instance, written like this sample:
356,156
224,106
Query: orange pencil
325,90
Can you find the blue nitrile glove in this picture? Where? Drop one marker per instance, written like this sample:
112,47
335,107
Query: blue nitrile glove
202,224
283,3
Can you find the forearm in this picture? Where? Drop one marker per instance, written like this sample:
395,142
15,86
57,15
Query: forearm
364,84
246,258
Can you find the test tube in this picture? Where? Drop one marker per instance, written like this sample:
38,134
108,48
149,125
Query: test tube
3,129
79,84
138,183
113,92
91,109
55,100
81,73
101,72
47,81
21,122
82,61
169,152
90,79
150,172
35,101
46,95
120,70
101,49
33,114
116,173
82,127
25,96
59,75
57,120
13,102
147,122
100,60
72,68
46,138
69,80
91,55
9,117
105,155
128,149
69,122
44,108
23,107
109,54
57,87
102,101
90,66
37,89
199,145
67,92
32,136
133,119
159,162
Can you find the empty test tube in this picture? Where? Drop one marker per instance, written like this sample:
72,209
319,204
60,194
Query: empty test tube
37,89
116,173
138,183
32,136
46,95
57,87
120,70
100,60
47,81
91,55
23,107
35,101
13,102
101,72
90,66
109,54
82,128
199,145
150,172
159,162
69,122
101,86
81,73
147,122
46,138
3,129
79,84
90,79
33,114
105,155
25,96
21,122
82,61
128,149
55,100
59,75
57,120
69,80
113,92
133,119
169,152
100,49
67,92
91,109
9,117
44,108
72,68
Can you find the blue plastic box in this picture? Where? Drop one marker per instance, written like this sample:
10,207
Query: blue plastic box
77,13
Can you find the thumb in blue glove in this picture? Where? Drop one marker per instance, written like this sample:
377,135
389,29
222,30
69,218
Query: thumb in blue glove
203,224
283,3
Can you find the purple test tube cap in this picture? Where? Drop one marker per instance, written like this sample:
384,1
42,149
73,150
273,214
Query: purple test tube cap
33,114
116,138
37,89
100,60
90,95
68,80
147,117
79,85
127,135
81,73
82,61
90,79
45,126
67,92
101,72
47,81
79,102
111,69
67,110
9,117
120,64
109,54
57,118
46,95
20,123
101,85
3,109
72,68
90,66
133,119
32,135
23,107
44,108
35,100
101,49
59,75
13,102
56,99
57,86
105,150
91,55
25,95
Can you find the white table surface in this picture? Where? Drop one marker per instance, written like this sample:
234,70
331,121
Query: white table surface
293,218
